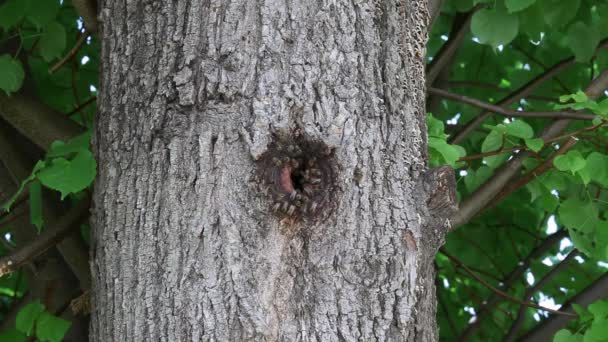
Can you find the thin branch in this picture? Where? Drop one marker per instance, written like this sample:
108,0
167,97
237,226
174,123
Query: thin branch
37,121
443,306
520,93
88,11
542,65
487,191
475,84
47,239
447,51
82,106
512,334
545,330
500,292
517,272
476,245
434,7
539,170
576,133
509,112
71,53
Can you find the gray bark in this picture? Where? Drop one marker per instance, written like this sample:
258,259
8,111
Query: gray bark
185,244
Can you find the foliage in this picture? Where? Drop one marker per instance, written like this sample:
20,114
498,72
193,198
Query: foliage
34,37
592,324
517,241
34,320
509,44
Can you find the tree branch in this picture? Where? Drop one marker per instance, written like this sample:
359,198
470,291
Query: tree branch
521,268
539,170
487,191
508,112
576,133
72,248
88,11
447,51
434,7
499,292
36,121
474,84
81,39
545,331
520,93
512,334
47,239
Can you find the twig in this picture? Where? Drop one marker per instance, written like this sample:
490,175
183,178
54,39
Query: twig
71,53
508,112
576,133
517,272
82,106
499,292
520,93
47,239
444,55
542,65
539,170
474,84
512,334
470,206
546,330
443,306
88,11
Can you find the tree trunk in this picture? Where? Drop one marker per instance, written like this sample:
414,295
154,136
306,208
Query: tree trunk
262,173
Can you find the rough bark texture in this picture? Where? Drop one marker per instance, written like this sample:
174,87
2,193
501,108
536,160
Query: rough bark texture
186,247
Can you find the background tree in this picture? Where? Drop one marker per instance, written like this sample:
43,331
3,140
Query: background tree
515,89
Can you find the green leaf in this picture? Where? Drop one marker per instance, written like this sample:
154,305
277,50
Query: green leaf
12,335
520,129
492,142
69,176
554,180
532,22
598,332
474,179
12,74
597,168
535,144
52,42
462,5
583,40
571,161
74,145
51,328
36,205
574,213
518,5
599,309
39,165
559,13
27,317
602,108
579,96
566,336
11,13
449,152
43,12
581,311
494,27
